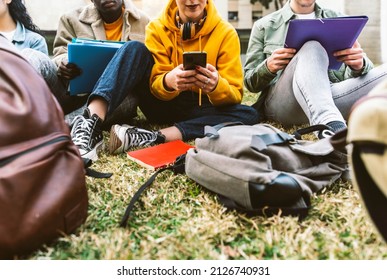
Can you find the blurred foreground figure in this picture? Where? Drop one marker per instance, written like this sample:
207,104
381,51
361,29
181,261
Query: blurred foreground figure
367,133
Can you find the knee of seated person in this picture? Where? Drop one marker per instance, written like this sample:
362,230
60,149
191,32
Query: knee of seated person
313,50
312,46
33,55
135,48
134,45
36,57
40,61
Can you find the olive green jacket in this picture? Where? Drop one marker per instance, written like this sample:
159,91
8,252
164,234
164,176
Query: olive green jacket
267,35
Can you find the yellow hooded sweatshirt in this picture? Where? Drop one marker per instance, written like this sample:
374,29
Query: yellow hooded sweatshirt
216,37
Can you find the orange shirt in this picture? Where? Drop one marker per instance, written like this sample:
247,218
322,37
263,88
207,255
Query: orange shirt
114,30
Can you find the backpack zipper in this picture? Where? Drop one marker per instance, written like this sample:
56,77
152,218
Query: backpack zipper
9,159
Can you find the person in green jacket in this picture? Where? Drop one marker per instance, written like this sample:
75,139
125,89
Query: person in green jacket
296,87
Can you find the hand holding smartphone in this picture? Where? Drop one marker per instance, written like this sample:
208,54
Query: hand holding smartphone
193,59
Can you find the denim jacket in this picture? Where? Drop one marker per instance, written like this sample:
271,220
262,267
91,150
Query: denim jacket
267,35
25,38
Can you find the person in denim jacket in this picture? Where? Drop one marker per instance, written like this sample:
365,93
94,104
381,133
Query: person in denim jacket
17,26
297,87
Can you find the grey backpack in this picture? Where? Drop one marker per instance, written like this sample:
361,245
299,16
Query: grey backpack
260,169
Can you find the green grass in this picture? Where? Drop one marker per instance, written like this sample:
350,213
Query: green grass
176,219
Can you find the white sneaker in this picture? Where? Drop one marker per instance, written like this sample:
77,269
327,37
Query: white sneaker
124,137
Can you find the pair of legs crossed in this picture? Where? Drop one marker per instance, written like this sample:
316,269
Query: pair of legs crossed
304,93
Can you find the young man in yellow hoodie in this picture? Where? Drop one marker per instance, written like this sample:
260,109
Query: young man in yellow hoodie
189,99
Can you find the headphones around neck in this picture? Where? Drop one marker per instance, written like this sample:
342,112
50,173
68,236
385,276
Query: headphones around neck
188,29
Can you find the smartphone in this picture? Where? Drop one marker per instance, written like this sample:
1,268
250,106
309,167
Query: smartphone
193,59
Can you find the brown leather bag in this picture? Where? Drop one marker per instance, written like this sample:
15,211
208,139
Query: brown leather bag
42,176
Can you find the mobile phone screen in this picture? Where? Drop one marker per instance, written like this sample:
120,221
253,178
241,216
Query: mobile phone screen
193,59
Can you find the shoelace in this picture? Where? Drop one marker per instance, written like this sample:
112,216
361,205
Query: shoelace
140,138
81,131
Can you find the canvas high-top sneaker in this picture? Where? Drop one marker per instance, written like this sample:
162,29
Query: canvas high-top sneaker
124,137
86,134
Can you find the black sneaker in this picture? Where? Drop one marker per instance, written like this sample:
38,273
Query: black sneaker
124,137
86,134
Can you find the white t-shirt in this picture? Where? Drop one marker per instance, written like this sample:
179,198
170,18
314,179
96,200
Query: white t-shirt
306,16
8,35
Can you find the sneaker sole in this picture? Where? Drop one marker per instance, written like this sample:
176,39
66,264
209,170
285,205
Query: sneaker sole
115,144
93,154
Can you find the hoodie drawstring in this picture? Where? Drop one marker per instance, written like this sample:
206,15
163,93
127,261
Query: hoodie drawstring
177,59
176,44
200,89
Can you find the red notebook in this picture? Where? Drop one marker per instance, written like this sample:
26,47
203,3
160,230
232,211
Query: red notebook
159,156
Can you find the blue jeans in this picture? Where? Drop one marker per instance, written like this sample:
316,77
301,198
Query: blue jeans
128,73
304,94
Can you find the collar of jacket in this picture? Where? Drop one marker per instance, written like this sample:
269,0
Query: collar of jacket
20,33
90,13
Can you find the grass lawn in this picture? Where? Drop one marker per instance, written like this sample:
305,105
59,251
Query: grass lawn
176,219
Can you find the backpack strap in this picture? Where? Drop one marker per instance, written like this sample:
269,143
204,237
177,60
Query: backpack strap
212,131
93,173
137,195
260,142
313,128
178,167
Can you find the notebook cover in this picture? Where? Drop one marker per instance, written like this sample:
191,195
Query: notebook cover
159,156
334,34
92,56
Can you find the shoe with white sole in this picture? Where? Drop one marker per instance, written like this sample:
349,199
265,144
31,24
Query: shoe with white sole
86,133
125,137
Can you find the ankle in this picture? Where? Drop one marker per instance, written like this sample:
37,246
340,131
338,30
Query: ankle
171,133
160,137
98,106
